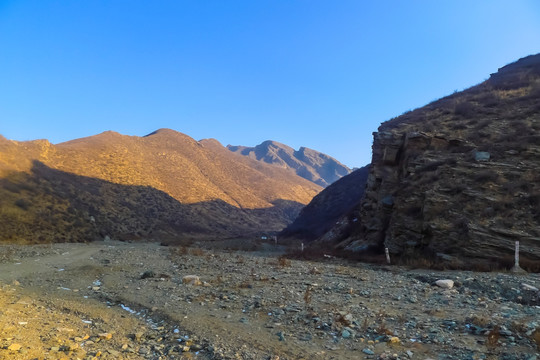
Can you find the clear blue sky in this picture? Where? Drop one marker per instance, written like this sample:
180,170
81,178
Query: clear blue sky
321,74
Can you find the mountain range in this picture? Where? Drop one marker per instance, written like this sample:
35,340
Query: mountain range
162,185
454,182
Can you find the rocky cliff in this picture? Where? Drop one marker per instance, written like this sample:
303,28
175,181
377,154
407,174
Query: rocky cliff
459,179
312,165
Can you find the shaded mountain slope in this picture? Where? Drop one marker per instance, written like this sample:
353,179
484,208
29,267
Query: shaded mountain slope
331,204
133,186
307,163
458,179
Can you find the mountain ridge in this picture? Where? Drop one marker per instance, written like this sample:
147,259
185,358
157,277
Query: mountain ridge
310,164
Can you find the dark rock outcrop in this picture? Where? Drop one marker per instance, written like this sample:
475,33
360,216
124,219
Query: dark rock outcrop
312,165
459,178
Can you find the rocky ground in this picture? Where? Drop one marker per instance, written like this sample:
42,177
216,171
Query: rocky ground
133,301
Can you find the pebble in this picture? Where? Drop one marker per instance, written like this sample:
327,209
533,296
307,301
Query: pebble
528,287
14,347
191,280
105,336
368,351
445,284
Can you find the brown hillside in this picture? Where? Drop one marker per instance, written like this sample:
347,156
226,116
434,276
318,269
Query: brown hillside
458,179
133,186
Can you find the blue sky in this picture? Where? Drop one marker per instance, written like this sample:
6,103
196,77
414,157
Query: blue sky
320,74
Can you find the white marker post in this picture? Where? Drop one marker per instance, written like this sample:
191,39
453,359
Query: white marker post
387,255
516,263
302,247
516,267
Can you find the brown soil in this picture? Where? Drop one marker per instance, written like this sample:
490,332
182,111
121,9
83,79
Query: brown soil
57,300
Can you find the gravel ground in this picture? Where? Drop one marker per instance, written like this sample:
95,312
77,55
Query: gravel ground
133,301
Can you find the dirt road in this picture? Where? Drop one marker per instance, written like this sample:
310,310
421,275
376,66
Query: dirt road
128,301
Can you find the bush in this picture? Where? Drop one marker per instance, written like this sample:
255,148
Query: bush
23,204
465,109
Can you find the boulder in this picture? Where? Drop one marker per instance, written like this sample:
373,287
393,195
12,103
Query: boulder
445,284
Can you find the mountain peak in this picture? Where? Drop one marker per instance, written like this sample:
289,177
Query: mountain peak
307,163
210,142
163,131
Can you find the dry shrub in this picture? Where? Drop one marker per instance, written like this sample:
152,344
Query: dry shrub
481,321
282,262
197,252
307,295
493,337
183,250
401,318
245,285
365,324
383,329
536,337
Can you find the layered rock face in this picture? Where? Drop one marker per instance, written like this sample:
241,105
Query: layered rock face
460,177
312,165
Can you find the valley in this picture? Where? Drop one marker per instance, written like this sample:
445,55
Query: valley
120,300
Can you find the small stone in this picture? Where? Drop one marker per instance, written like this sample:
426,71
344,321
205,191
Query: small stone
14,347
409,354
528,287
394,340
191,280
148,274
345,334
138,336
185,348
368,351
482,156
105,336
114,352
445,284
55,348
